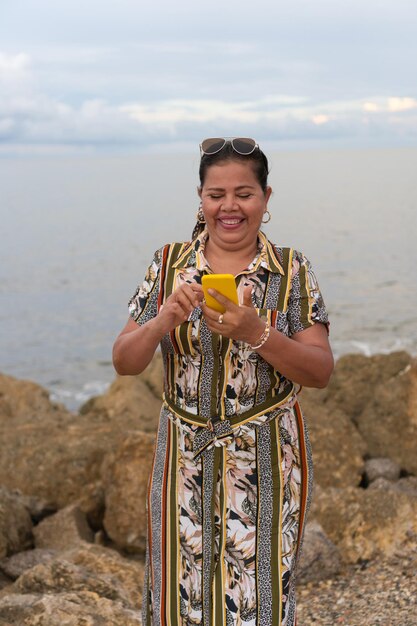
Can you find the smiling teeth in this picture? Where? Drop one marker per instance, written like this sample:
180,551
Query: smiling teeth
235,221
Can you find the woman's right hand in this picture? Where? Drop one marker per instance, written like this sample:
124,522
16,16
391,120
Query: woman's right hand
136,345
179,306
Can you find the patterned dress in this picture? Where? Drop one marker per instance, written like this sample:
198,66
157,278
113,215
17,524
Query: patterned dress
232,475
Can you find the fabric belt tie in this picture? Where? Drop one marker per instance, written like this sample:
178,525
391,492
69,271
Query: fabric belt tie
219,430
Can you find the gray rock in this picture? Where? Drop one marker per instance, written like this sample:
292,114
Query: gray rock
406,485
320,559
17,564
382,468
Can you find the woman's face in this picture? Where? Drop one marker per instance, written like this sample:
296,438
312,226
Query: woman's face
233,204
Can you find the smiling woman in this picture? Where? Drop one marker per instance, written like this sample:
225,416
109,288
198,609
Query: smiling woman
231,479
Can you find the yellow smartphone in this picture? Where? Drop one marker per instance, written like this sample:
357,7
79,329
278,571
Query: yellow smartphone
224,284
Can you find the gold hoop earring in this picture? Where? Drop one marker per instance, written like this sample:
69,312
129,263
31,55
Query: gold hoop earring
269,217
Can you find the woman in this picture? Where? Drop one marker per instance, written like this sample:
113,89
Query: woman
231,478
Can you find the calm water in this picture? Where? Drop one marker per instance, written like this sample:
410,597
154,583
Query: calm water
78,233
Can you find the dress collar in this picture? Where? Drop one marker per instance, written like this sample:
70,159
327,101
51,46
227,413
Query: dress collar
193,255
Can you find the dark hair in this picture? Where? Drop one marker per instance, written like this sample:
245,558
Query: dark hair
257,158
227,153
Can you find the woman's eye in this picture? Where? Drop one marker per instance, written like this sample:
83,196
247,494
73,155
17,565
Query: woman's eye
215,196
244,195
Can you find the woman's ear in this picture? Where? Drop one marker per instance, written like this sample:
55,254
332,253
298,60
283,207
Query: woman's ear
199,191
268,193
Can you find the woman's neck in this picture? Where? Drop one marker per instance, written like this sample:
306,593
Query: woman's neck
224,261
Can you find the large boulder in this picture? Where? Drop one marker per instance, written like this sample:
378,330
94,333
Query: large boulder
379,395
388,422
337,446
134,400
365,523
15,524
125,476
356,376
87,585
87,568
51,453
24,399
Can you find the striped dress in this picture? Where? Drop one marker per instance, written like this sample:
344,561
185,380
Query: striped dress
232,475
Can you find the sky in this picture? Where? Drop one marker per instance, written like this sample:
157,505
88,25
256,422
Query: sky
122,76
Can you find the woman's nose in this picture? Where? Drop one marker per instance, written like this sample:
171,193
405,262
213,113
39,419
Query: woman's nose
229,203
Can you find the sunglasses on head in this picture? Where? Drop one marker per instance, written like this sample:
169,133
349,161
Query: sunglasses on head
241,145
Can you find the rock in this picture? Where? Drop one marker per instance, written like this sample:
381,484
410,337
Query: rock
21,399
388,422
356,376
132,399
87,568
404,485
92,503
15,565
38,509
63,530
337,446
365,523
15,524
125,477
65,609
379,395
381,468
320,558
52,454
408,484
106,562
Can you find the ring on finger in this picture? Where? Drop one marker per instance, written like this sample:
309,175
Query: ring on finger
220,320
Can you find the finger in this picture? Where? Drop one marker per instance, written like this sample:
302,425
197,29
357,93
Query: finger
221,299
210,314
191,293
247,297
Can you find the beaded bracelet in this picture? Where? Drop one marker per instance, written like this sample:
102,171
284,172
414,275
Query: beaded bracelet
263,338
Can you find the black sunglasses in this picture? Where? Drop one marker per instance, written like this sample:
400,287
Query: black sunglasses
241,145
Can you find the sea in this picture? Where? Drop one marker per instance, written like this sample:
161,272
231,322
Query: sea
78,232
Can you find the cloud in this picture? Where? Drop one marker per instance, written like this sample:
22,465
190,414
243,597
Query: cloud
33,120
393,104
10,65
401,104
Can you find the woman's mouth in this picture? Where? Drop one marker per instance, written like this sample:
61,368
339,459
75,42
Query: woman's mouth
230,222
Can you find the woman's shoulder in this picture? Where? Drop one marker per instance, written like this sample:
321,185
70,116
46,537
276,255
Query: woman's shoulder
290,257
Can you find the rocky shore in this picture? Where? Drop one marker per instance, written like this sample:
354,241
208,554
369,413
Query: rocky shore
72,500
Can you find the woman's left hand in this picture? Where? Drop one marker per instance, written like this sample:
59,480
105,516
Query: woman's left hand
241,323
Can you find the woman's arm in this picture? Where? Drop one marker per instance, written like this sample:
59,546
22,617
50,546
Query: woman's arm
305,357
135,346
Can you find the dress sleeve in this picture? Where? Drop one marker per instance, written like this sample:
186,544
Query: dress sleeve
143,305
305,304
